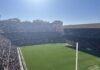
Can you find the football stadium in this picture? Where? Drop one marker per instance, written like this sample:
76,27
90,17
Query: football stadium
49,34
41,45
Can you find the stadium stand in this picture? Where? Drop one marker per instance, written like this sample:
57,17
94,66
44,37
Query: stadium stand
36,32
88,36
8,55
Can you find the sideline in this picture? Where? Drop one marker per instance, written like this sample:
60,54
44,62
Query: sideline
21,60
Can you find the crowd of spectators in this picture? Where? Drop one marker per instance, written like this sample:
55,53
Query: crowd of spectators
8,55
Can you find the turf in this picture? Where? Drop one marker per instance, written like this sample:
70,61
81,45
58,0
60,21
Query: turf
56,57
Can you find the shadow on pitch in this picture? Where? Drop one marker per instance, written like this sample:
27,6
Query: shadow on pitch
87,50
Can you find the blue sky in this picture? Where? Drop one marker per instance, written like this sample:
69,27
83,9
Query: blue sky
69,11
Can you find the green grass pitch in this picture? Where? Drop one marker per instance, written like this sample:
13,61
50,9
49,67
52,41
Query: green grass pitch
56,57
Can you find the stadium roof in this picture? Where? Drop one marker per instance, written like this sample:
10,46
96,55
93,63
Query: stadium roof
92,25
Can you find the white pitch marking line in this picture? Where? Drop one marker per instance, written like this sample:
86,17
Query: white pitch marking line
23,61
20,61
